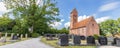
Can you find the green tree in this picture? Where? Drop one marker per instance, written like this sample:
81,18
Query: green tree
118,25
5,23
64,30
108,26
36,15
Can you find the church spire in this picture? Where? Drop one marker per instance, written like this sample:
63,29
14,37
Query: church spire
74,11
73,18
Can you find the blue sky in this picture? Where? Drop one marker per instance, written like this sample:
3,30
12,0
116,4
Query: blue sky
100,9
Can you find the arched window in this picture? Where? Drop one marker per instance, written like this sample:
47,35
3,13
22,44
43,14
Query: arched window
92,24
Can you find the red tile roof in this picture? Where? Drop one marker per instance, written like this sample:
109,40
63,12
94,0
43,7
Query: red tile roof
83,23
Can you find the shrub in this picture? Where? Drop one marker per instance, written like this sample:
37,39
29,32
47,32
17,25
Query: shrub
96,36
34,35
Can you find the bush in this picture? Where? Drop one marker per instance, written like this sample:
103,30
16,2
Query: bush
96,36
34,35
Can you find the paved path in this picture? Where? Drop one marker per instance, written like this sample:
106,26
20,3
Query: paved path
108,47
35,43
32,43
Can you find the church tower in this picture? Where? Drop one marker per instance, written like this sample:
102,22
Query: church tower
73,18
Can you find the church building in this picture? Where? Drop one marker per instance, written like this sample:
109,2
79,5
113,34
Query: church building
86,27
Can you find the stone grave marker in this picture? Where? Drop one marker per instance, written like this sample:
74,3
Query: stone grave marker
15,37
76,40
18,35
63,40
6,34
90,40
114,41
26,35
0,34
118,42
102,40
57,36
3,39
110,40
21,36
12,35
48,36
82,37
53,36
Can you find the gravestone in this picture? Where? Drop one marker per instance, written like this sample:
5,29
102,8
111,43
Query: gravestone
118,42
76,40
102,40
15,37
21,36
71,36
90,40
110,40
18,35
114,41
53,36
58,36
48,37
6,34
82,37
12,35
26,35
63,40
3,39
0,34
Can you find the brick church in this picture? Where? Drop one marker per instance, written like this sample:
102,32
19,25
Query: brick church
86,27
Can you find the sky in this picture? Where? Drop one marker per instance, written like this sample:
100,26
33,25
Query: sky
100,9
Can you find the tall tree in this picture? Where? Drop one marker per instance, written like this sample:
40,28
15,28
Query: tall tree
5,21
37,13
108,26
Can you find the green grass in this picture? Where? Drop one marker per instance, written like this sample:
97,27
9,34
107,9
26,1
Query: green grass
54,44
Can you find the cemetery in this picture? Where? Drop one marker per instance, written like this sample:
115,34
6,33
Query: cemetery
9,38
59,23
65,41
81,35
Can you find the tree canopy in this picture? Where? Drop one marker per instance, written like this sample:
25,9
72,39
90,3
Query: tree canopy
35,14
110,26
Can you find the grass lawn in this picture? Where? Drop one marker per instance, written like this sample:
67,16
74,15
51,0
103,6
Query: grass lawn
8,38
54,43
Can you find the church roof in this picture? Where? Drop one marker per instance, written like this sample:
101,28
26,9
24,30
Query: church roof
83,23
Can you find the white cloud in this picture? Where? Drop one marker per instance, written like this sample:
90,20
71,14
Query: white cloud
101,19
109,6
82,17
57,24
62,20
67,24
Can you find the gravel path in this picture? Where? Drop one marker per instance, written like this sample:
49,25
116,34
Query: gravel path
108,47
32,43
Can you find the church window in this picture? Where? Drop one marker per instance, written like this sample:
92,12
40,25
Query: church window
92,24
